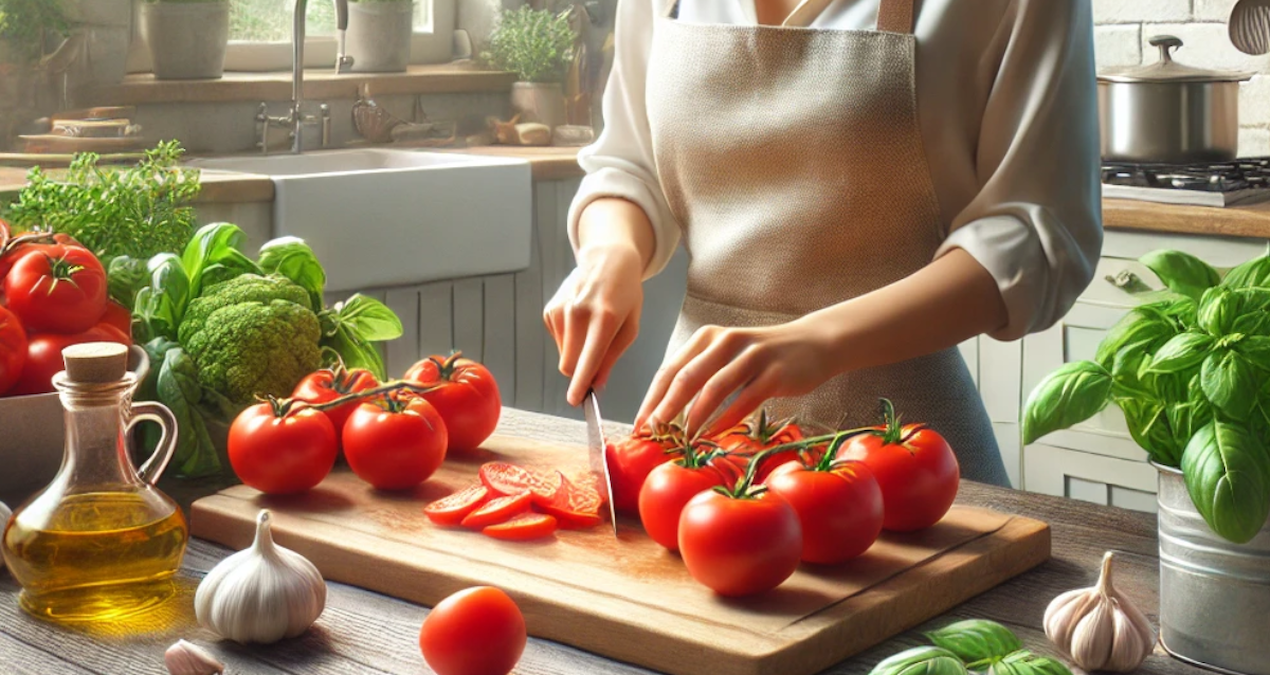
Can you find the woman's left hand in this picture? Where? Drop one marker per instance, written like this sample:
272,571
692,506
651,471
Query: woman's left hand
756,364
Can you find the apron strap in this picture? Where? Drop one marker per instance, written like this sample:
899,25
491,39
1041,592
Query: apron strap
895,16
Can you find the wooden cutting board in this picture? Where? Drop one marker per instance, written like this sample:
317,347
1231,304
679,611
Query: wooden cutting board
629,599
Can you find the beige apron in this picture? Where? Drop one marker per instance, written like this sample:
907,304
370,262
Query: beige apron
793,161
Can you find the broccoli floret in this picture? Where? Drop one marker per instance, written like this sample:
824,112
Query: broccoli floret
251,336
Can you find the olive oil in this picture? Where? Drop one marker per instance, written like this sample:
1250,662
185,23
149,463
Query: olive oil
96,556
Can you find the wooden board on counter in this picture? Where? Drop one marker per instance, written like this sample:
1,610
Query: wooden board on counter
1252,220
628,599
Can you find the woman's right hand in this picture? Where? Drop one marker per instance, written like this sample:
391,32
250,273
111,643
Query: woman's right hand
594,316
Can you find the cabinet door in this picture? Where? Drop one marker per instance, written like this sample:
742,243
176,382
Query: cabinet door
1090,477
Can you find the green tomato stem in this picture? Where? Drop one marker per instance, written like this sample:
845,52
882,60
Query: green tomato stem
284,407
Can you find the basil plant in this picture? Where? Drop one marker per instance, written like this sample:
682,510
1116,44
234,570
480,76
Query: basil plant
1190,370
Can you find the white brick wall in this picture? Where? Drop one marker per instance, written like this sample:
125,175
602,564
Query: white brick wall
1123,27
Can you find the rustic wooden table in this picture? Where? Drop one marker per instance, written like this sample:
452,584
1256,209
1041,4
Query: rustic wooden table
366,633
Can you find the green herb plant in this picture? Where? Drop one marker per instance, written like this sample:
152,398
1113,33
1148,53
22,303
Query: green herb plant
1190,370
971,646
536,44
25,25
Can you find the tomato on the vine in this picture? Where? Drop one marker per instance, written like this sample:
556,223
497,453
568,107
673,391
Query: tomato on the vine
746,440
631,459
466,396
44,356
280,451
839,506
668,489
329,384
118,317
14,247
740,545
59,290
394,443
13,349
478,631
915,468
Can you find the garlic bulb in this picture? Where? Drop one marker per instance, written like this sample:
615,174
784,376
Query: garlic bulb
4,520
261,594
1099,628
187,658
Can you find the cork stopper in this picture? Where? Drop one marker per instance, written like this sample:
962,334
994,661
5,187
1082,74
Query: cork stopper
95,362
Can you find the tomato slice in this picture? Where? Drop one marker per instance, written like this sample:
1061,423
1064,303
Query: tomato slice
509,479
576,505
498,510
523,528
452,509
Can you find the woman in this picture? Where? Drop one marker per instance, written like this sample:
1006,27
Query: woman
860,184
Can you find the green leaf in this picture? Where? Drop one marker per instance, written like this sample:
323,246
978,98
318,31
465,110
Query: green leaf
1229,383
1256,350
369,319
1148,425
1253,274
1068,396
1225,311
215,254
1147,323
1227,474
1182,272
125,276
356,352
976,640
293,259
1183,352
178,388
162,304
921,661
1024,662
1128,370
1216,311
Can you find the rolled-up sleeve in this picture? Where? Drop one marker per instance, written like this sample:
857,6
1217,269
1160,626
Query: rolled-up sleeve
620,162
1036,223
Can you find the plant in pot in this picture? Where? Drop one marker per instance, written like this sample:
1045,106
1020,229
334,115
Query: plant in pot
1190,370
29,29
379,35
187,38
536,45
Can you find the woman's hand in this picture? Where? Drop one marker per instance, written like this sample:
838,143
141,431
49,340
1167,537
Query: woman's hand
594,317
756,364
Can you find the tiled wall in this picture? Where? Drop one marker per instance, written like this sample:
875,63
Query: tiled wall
1124,26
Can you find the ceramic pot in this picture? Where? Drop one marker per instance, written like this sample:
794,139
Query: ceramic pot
539,102
1214,595
107,25
187,40
379,36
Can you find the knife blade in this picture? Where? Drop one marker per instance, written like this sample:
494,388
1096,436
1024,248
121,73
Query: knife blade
597,448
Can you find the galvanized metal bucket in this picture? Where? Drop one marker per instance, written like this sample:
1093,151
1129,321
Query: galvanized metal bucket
1214,595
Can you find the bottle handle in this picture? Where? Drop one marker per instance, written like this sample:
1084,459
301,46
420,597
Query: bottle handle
150,411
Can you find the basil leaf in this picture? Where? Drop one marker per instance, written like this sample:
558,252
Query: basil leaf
1183,352
124,277
1253,311
1144,323
369,318
178,388
1183,311
1181,272
1023,662
217,252
976,640
1229,383
1148,425
356,352
293,259
1253,274
1216,311
1067,396
162,305
1227,474
921,661
1128,370
1256,350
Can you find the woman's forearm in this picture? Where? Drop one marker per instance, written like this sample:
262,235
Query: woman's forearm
612,221
945,303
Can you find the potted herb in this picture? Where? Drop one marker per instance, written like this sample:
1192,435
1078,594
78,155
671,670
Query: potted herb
107,26
187,38
537,45
1190,370
379,34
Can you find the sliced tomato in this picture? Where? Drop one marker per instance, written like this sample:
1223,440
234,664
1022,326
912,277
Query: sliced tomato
509,479
523,528
498,510
575,505
452,509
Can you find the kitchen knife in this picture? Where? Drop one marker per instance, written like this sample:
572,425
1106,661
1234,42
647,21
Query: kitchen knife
598,449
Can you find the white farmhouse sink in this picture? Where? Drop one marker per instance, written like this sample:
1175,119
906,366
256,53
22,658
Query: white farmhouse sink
381,218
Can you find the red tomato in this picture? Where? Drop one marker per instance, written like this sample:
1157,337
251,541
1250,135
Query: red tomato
118,317
467,397
575,505
499,510
44,357
748,439
13,348
667,490
328,384
630,461
61,290
394,446
451,510
840,510
16,249
509,479
479,631
915,468
524,527
281,455
740,546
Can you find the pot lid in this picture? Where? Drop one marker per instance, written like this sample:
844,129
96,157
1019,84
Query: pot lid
1168,70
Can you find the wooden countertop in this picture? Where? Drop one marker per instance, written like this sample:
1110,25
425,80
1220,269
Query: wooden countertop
362,632
1238,221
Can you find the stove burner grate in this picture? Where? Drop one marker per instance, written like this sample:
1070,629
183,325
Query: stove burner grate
1243,174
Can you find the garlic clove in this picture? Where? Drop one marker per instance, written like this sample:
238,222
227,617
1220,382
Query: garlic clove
1092,639
1098,627
261,594
1061,622
1129,648
187,658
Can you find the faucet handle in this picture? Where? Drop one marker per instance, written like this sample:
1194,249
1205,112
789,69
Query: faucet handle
262,112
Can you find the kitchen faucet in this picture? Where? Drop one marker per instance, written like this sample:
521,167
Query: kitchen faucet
295,118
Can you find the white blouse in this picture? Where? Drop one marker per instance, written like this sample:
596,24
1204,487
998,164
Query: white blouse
1007,107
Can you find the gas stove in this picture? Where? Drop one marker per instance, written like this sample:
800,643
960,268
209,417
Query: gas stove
1242,181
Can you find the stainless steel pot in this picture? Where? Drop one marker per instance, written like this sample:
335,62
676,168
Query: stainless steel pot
1169,112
